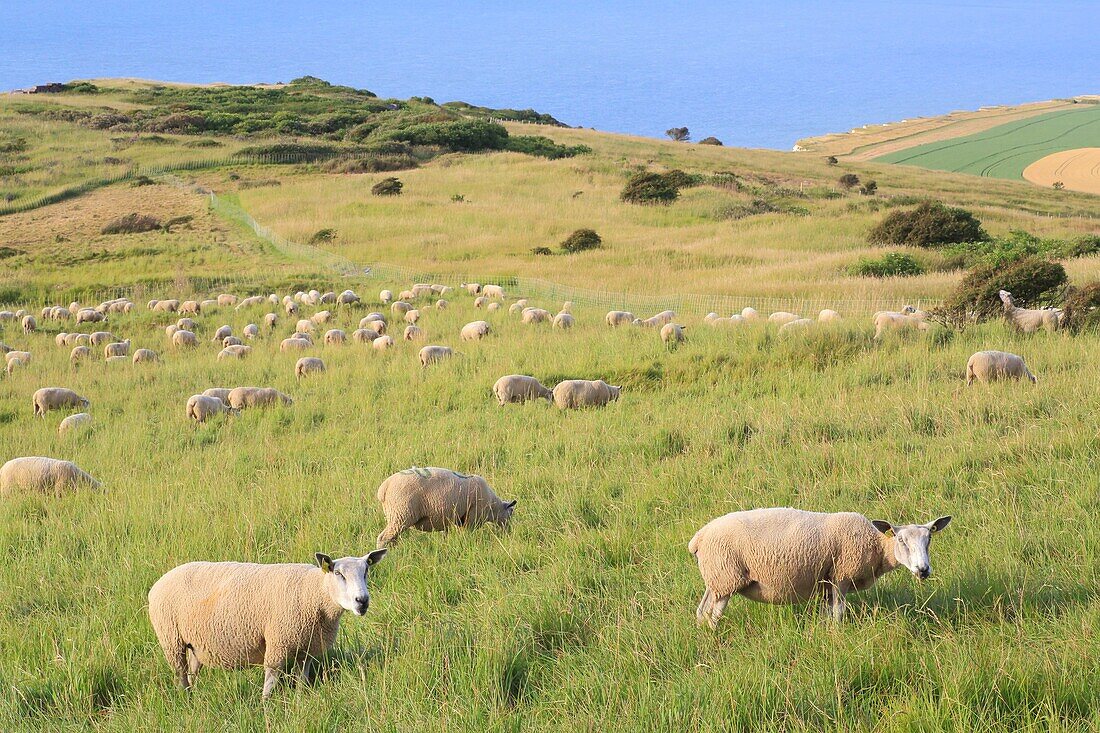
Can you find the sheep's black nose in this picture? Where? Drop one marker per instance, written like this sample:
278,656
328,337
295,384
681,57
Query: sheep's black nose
924,572
363,602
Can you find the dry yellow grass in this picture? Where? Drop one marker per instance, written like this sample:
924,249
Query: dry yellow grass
1078,170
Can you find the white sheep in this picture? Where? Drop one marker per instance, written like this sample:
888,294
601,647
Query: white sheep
186,324
475,330
182,339
327,298
201,408
89,315
290,344
243,397
234,351
291,308
45,475
750,314
441,304
782,317
308,365
659,319
251,331
99,338
170,330
231,341
55,398
520,388
230,614
30,325
493,307
564,320
413,333
619,318
119,348
73,423
364,335
222,393
335,337
784,555
471,288
432,354
412,316
517,307
321,317
78,354
226,299
270,320
221,333
190,306
828,316
672,334
208,305
386,296
889,321
167,306
16,360
400,308
989,366
480,301
1027,320
536,315
145,356
348,297
382,343
579,393
251,302
435,499
493,291
799,324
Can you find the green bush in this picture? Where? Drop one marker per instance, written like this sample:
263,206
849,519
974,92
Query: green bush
891,264
649,188
544,147
581,240
679,179
1017,245
323,235
541,251
468,136
387,187
848,180
1082,308
711,141
930,224
1033,282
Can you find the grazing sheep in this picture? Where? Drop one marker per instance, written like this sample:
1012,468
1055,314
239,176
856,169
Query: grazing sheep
517,307
413,333
201,407
335,337
321,317
475,330
61,339
208,305
798,324
21,355
291,344
412,316
659,319
291,308
1027,320
186,324
710,318
471,288
672,334
828,316
480,301
386,296
117,360
520,388
435,499
89,315
406,295
578,393
30,325
400,308
79,353
16,360
911,310
270,320
251,331
382,343
750,314
989,366
493,291
734,320
221,333
19,314
619,318
167,306
190,306
231,341
782,317
441,305
421,290
235,351
230,615
564,320
364,335
308,365
887,321
45,475
493,307
72,423
226,299
250,302
788,556
536,315
145,356
184,338
348,297
243,397
170,330
432,354
371,320
328,298
221,393
99,338
55,398
119,348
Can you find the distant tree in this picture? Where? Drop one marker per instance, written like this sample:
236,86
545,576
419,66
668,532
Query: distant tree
831,160
711,141
848,180
679,134
868,188
387,187
580,240
1058,185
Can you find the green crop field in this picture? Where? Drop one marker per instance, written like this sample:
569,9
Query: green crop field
1006,150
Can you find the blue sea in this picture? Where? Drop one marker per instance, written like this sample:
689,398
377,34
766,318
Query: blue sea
756,73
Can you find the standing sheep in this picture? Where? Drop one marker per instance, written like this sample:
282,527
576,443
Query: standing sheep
672,334
619,318
181,339
251,331
799,324
578,393
234,351
145,356
291,344
230,615
413,333
475,330
1027,320
119,348
78,354
30,325
520,388
828,316
493,291
750,314
46,475
989,366
222,393
270,320
888,321
782,317
564,321
480,301
243,397
400,308
517,307
55,398
536,315
201,408
382,343
435,499
471,288
308,365
222,333
412,316
335,337
99,338
432,354
364,335
789,556
386,296
72,423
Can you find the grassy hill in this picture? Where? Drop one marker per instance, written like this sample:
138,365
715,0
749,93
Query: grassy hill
581,615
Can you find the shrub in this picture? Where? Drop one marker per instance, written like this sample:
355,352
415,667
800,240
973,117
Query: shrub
930,224
868,188
891,264
131,224
679,134
387,187
544,147
581,240
1032,281
711,141
322,235
1082,308
1058,185
541,251
649,188
679,179
1017,244
467,136
139,181
831,160
848,181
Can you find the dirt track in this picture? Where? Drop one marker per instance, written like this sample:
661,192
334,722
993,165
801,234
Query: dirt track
1078,170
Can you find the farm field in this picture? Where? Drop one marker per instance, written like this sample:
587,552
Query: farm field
1077,170
1006,150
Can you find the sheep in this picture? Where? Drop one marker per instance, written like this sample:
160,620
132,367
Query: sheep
734,320
20,314
117,359
400,308
781,317
619,318
371,320
784,555
6,316
413,333
475,330
578,393
30,325
480,301
61,339
231,341
471,288
517,307
243,397
184,338
313,298
493,307
412,316
334,337
654,321
442,289
520,388
55,398
170,330
79,353
887,321
750,314
308,365
798,324
536,315
251,331
291,309
911,310
672,334
432,354
21,355
321,317
231,615
99,338
327,298
1027,320
421,290
493,291
201,408
382,343
190,306
563,320
989,366
348,297
16,360
386,296
72,423
186,324
119,348
221,333
45,475
234,351
167,306
226,299
145,356
710,318
406,295
295,343
270,320
208,305
828,316
435,499
364,335
251,301
441,304
89,315
221,393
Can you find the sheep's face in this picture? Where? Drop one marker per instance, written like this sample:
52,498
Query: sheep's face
346,579
505,513
911,544
615,391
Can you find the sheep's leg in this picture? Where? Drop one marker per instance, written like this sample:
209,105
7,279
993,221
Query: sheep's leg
832,602
703,608
271,678
193,667
305,676
389,534
717,608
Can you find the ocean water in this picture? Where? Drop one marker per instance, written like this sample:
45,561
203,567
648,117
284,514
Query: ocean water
753,73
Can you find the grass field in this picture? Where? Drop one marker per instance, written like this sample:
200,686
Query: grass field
1006,150
581,617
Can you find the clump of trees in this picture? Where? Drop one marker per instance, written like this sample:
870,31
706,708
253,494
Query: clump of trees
387,187
930,224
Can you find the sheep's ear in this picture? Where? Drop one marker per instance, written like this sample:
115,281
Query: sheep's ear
374,557
882,526
938,524
510,504
324,562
